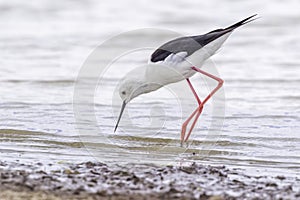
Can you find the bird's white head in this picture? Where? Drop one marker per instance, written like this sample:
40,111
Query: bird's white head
135,83
129,89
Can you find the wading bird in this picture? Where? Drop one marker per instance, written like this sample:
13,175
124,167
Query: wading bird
175,61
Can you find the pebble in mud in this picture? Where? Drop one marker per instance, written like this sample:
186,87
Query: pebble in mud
139,181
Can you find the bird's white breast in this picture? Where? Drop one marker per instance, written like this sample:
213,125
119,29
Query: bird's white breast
165,73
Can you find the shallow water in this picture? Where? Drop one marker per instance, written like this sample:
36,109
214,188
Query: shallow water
44,45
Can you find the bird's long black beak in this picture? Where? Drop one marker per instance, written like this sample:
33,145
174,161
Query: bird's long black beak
122,109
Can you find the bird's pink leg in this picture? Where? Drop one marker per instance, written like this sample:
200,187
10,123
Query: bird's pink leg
193,90
199,109
184,125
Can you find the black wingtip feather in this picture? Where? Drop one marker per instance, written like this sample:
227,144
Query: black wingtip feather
243,22
174,46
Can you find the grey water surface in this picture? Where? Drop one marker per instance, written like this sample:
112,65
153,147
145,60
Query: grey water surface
43,45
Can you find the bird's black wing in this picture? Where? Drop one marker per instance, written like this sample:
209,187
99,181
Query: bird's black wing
190,44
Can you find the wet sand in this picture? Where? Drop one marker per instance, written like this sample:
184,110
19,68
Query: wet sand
100,181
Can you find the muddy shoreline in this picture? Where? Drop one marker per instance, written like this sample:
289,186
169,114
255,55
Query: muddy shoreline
100,181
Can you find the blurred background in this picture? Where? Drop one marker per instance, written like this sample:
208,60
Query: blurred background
44,44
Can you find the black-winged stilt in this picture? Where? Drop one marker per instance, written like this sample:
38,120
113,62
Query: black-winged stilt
174,61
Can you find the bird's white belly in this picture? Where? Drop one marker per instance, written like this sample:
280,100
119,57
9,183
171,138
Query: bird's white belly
201,55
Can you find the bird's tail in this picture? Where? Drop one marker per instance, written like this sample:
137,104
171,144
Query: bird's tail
243,22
